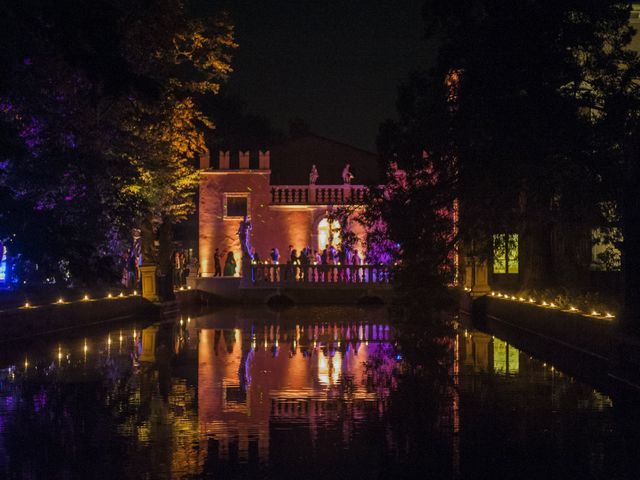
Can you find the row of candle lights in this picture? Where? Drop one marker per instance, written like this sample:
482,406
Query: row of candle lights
85,298
544,304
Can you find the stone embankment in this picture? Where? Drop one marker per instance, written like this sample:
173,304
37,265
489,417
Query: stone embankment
32,320
587,343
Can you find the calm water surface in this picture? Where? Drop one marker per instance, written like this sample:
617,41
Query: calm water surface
308,393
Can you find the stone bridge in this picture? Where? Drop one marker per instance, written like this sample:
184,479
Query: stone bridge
312,284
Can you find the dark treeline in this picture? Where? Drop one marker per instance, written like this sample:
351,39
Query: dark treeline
528,123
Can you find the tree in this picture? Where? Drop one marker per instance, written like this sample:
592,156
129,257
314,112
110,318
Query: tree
104,102
512,104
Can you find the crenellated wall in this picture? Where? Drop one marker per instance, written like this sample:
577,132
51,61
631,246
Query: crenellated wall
274,224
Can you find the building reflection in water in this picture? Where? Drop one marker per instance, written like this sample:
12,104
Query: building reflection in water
186,397
303,374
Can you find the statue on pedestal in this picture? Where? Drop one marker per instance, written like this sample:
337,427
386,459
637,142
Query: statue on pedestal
313,175
244,233
347,176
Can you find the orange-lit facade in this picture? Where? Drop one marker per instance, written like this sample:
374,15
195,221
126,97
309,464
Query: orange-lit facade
273,189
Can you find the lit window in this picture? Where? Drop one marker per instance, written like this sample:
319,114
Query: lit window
505,253
236,205
605,254
323,233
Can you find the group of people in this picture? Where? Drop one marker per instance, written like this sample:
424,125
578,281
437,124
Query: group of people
179,269
313,265
230,265
306,265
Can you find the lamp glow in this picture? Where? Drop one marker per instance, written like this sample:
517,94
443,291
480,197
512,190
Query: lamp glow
573,309
85,298
60,300
608,315
26,305
109,296
121,294
595,313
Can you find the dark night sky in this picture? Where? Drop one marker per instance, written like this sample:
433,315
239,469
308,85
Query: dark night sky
334,63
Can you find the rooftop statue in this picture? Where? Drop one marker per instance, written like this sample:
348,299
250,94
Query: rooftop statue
313,175
347,176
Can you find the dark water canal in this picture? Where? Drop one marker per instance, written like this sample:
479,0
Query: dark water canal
308,393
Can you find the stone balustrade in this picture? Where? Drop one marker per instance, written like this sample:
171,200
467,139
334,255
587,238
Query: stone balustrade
318,194
321,275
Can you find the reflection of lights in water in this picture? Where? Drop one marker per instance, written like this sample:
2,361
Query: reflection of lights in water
329,369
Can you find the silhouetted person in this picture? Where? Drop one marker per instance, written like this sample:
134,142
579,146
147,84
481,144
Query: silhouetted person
216,264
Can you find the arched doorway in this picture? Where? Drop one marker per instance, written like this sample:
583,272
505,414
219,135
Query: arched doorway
326,231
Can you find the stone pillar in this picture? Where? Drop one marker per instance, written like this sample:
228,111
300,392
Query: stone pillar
477,276
481,278
468,273
225,160
246,281
244,160
264,160
205,160
313,189
482,352
149,282
148,353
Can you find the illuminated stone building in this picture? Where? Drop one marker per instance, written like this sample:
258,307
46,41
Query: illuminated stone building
273,189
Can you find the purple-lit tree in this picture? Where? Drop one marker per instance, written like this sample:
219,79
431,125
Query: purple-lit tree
102,105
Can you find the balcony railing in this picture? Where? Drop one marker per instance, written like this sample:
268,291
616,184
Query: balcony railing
339,275
318,195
